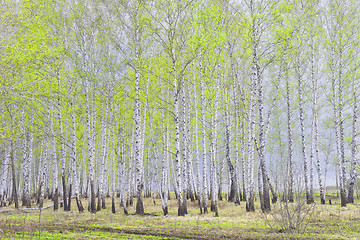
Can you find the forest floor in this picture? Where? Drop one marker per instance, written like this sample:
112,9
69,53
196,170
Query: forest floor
286,221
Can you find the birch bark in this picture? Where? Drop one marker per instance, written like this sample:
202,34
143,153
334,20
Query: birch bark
62,149
185,158
165,152
164,172
302,133
113,182
290,191
233,196
91,157
189,159
197,158
203,123
26,199
74,149
181,210
342,159
138,160
43,173
265,179
104,154
5,170
316,124
250,194
53,157
213,192
354,151
14,182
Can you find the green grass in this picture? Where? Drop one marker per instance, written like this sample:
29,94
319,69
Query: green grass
321,222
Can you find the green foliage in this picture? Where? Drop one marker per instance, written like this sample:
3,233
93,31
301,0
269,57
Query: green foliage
29,61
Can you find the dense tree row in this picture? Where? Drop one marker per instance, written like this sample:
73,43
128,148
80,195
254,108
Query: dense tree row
131,98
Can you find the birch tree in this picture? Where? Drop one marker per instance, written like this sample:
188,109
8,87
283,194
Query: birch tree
172,18
339,30
354,150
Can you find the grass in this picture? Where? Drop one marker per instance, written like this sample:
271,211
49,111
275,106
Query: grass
324,222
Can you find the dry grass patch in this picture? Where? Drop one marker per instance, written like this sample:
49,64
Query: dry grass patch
327,222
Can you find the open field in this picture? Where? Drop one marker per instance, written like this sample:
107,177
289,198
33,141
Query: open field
317,222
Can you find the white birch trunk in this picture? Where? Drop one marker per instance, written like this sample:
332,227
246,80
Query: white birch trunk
176,87
113,179
53,157
335,112
13,176
312,77
233,188
203,123
214,187
235,198
121,160
143,128
354,151
43,173
26,198
316,124
290,190
164,171
189,159
197,158
104,155
138,136
342,159
73,151
4,179
311,163
165,157
91,157
250,194
262,140
171,171
242,163
185,154
62,149
121,150
31,152
302,134
131,173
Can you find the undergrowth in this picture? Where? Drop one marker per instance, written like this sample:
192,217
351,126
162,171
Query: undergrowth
316,222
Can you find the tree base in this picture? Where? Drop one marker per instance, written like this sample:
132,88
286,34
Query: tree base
220,195
64,193
69,199
113,205
93,198
250,206
56,199
212,206
191,196
103,205
79,204
139,205
99,202
205,210
181,210
165,210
